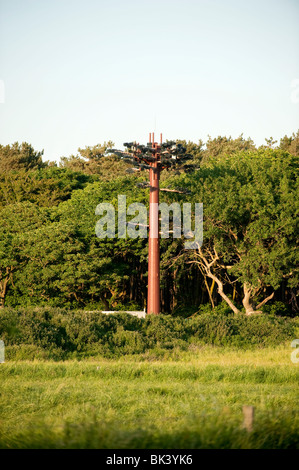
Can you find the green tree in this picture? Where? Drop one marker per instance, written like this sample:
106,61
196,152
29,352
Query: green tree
270,144
17,221
93,161
87,160
64,263
49,252
196,150
290,144
45,186
20,157
221,146
250,224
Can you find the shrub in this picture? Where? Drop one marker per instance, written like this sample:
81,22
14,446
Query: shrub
55,333
279,309
242,331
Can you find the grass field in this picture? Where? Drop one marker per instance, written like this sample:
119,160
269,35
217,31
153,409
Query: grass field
192,400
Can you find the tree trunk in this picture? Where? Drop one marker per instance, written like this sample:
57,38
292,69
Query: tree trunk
265,300
249,309
249,291
209,292
105,302
222,294
206,265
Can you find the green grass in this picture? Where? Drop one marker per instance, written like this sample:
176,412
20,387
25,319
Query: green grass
192,400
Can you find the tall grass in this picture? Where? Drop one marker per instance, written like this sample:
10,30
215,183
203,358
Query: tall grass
87,380
123,404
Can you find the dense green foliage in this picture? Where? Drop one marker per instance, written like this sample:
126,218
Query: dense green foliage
251,213
43,187
50,255
20,157
50,333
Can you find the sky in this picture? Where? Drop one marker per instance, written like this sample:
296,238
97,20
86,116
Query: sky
76,73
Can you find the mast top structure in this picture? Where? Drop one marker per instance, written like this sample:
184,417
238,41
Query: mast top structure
163,156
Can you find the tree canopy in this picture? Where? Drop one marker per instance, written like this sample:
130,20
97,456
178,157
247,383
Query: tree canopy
20,157
251,213
50,254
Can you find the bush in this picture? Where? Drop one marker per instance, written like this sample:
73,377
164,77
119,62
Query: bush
53,333
279,309
242,331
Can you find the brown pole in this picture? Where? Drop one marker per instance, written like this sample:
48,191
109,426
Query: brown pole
153,296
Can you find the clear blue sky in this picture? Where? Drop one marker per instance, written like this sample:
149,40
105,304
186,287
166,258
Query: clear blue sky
81,72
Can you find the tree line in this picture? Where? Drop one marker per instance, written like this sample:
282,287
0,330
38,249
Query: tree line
50,255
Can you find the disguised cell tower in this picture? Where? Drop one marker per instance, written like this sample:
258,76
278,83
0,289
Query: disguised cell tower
154,157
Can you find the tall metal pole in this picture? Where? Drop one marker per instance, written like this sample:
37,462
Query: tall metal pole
153,296
154,157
